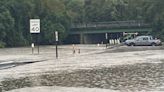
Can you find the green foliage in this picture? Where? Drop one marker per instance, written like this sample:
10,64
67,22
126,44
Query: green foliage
58,15
157,19
2,44
6,26
15,16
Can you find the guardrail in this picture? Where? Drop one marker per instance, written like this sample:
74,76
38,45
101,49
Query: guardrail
113,24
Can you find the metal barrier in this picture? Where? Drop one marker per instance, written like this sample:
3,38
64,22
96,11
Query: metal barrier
112,24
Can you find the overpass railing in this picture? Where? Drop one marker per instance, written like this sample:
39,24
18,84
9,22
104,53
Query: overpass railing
112,24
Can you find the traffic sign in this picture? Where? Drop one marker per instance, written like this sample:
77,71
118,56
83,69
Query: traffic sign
57,39
34,25
56,35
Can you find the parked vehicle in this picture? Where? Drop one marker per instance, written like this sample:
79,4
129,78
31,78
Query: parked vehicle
143,40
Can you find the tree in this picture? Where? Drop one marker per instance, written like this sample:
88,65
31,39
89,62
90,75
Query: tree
59,15
6,26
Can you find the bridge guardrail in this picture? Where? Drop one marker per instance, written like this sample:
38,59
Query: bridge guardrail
116,24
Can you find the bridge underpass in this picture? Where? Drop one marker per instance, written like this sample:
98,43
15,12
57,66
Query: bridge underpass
98,36
95,33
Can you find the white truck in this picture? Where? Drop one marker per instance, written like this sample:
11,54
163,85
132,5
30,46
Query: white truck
143,40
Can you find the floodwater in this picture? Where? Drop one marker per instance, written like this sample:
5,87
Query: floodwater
119,69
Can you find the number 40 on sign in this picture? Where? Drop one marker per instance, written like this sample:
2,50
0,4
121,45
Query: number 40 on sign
34,25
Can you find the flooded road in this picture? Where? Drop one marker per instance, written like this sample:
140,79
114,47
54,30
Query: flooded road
120,69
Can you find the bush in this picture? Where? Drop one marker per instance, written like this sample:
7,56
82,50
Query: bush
2,44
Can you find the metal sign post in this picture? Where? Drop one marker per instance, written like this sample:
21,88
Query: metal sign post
35,29
38,43
106,37
56,38
32,46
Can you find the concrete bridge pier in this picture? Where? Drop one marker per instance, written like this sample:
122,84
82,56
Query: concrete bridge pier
85,38
82,38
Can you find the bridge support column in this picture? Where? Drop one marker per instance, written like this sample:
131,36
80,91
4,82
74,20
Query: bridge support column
81,38
85,38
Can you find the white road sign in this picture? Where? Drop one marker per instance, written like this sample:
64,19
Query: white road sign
56,35
34,25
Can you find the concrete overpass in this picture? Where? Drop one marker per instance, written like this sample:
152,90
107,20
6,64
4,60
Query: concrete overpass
95,32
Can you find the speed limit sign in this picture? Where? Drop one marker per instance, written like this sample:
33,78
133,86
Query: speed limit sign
34,25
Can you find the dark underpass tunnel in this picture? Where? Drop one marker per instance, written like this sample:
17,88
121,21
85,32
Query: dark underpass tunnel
73,39
94,38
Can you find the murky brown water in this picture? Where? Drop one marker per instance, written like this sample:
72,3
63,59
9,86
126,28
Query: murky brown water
145,76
